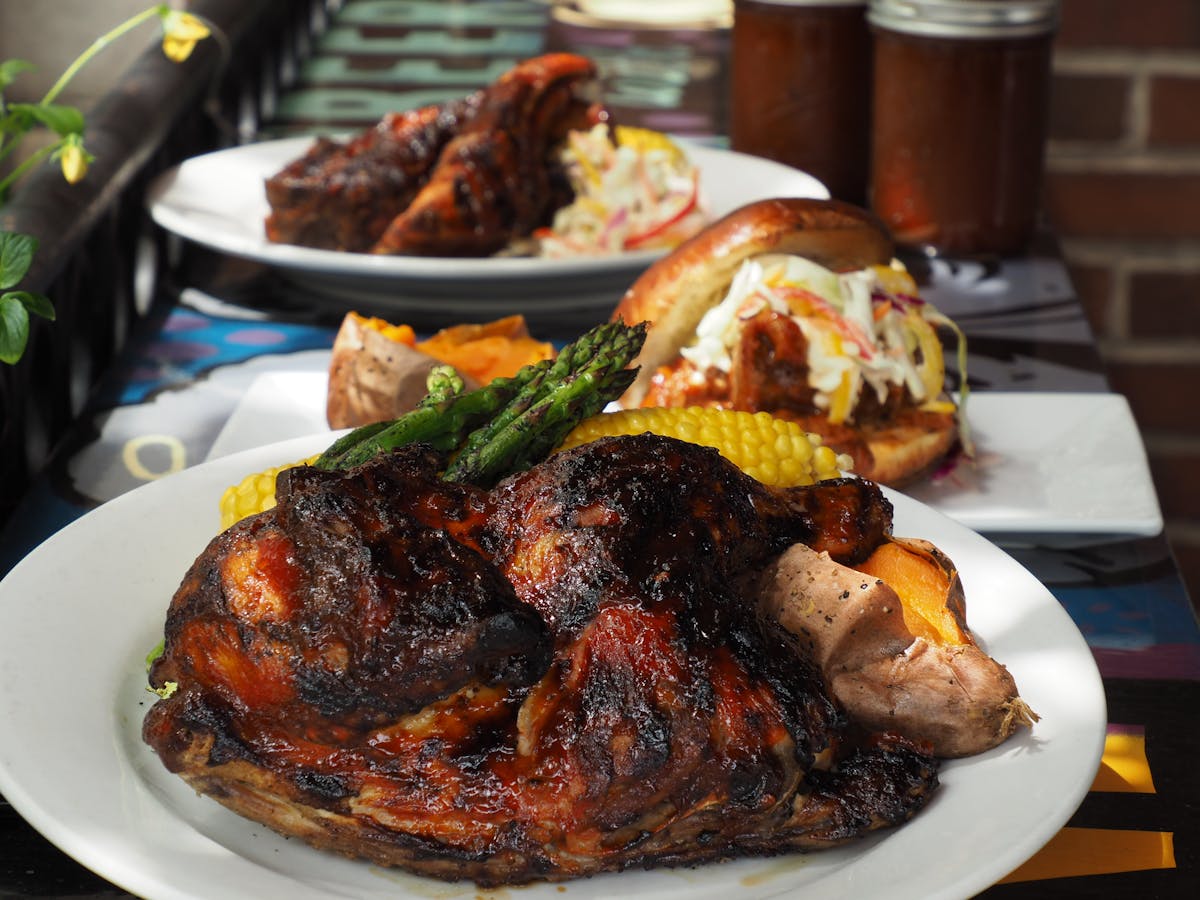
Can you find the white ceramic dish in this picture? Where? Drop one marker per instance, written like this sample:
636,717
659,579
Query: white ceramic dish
78,615
1071,463
1042,458
218,200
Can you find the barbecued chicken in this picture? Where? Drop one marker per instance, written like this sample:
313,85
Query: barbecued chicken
561,676
343,195
463,178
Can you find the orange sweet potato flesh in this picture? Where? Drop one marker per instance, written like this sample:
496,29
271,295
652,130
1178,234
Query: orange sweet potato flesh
928,587
378,370
489,350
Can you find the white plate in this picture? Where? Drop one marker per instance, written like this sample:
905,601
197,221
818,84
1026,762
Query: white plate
78,615
1041,457
1071,463
218,200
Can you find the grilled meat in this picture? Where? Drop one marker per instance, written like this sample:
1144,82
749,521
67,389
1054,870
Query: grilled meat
557,677
343,195
462,178
499,178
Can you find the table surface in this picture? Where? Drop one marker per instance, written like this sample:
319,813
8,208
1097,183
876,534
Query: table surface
1137,832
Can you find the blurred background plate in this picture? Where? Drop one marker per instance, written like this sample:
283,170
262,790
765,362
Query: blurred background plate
218,201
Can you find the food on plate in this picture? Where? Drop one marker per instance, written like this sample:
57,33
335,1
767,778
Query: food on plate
796,307
894,645
462,178
544,680
511,422
255,493
378,370
770,450
454,646
529,165
773,451
638,191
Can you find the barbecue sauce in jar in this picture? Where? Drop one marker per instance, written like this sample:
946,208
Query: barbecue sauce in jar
800,75
959,121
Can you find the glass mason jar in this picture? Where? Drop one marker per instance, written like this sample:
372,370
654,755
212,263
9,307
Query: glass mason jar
961,97
800,76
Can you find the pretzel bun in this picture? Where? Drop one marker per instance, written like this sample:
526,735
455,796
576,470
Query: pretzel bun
677,290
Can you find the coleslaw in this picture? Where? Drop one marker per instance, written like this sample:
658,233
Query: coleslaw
638,193
865,330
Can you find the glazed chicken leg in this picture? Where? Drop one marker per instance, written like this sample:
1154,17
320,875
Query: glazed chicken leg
558,677
460,178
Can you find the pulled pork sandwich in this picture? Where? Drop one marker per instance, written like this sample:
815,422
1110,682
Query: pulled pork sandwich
798,308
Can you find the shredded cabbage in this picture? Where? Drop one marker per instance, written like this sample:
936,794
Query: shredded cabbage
641,193
866,330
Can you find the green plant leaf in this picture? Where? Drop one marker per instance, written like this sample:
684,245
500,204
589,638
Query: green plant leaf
11,68
62,120
36,304
14,328
17,119
16,256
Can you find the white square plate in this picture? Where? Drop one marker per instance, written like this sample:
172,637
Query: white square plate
1070,463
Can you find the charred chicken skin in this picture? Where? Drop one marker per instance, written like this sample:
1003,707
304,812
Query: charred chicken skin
558,677
462,178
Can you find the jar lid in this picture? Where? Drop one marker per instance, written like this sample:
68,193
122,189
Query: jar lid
966,18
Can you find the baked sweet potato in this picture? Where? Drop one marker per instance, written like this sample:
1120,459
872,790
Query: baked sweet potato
892,639
378,370
375,374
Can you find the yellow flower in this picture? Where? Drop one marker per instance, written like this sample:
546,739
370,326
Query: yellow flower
181,32
74,159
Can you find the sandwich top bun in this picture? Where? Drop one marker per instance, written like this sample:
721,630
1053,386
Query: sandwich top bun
896,423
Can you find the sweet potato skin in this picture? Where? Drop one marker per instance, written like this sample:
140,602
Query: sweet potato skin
373,378
376,375
951,695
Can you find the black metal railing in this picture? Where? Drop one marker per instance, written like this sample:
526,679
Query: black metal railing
100,258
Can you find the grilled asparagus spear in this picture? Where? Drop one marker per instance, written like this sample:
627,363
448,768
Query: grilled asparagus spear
511,423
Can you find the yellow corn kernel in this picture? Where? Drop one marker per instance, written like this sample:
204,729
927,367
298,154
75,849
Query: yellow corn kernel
253,494
775,451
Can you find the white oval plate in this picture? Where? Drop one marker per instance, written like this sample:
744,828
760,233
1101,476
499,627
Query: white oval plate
218,200
79,614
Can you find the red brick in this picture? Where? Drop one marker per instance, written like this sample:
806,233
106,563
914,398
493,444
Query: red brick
1164,305
1131,24
1177,477
1094,287
1174,102
1124,204
1089,107
1162,395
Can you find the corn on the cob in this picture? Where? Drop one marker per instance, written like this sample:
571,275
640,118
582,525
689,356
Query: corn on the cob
774,451
253,494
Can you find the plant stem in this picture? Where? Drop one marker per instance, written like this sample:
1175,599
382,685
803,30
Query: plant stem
99,44
26,164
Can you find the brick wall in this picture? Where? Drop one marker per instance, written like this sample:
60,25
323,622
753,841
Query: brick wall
1123,191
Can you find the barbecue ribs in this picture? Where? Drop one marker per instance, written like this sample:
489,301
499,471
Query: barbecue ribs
557,677
462,178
